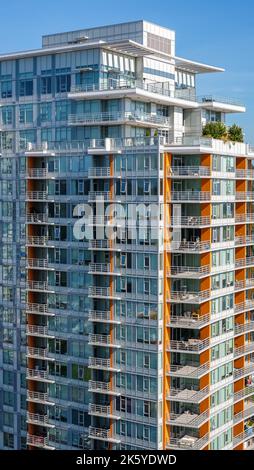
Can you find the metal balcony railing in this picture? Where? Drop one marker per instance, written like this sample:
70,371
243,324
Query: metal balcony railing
219,99
99,172
188,442
243,436
37,418
189,221
38,441
37,330
99,410
35,240
185,246
100,195
244,328
189,320
186,296
188,419
189,171
193,271
242,350
194,195
37,396
37,374
191,396
96,315
37,172
36,308
99,386
100,244
247,369
37,195
242,415
121,116
101,292
189,371
244,393
245,196
37,263
37,352
99,362
99,268
194,345
36,218
38,285
103,340
99,433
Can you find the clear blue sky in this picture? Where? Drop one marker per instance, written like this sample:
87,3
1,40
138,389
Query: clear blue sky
219,32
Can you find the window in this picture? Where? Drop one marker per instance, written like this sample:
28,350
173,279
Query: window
6,89
8,440
146,186
46,85
26,113
63,83
7,115
45,112
26,87
146,262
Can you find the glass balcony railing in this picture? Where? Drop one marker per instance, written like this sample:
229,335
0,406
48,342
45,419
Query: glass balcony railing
127,117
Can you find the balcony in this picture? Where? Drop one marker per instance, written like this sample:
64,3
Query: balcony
188,247
160,92
102,387
39,441
244,328
102,435
102,340
40,353
243,436
39,286
102,292
247,413
40,420
191,345
192,272
95,196
102,364
245,196
36,218
37,330
198,145
102,317
188,396
248,369
189,172
190,320
37,241
220,104
189,371
244,393
188,297
188,419
102,411
38,309
119,118
189,221
100,268
99,172
37,263
37,173
38,375
37,196
39,397
189,196
188,443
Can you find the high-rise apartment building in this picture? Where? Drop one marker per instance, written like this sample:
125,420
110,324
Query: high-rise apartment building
142,338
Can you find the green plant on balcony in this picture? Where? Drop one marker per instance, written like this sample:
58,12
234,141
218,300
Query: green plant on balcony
215,130
235,133
218,130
